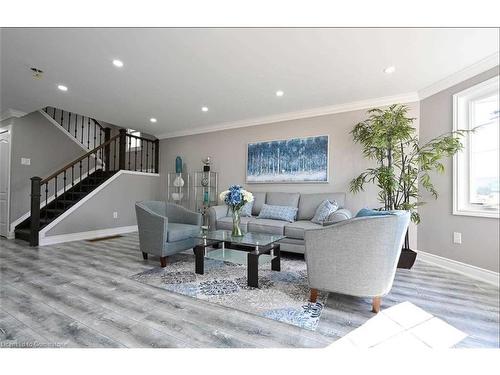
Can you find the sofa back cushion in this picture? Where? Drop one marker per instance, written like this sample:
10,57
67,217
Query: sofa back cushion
283,199
259,199
308,203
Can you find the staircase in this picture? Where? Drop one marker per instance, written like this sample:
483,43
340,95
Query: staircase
59,205
57,193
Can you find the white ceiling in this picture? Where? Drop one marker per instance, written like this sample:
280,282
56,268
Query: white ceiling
170,74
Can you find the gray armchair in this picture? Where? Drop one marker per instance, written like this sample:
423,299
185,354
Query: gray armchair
165,228
357,257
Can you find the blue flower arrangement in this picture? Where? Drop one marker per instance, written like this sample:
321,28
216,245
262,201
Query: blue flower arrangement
236,197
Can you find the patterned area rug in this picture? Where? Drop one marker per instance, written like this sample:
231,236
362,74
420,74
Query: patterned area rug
281,296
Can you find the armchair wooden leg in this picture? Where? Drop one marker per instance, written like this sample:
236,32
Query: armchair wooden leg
163,261
144,255
376,304
313,297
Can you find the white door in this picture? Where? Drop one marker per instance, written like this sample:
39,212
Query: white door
4,181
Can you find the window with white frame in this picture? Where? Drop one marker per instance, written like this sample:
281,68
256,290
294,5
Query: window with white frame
476,168
133,143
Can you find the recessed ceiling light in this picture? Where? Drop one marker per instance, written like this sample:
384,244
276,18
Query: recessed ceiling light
152,119
390,69
280,93
118,63
62,88
204,109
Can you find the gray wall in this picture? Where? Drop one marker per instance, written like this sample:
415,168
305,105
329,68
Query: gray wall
120,196
228,150
34,137
480,236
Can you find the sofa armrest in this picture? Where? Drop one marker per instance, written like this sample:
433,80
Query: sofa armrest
215,213
179,214
152,228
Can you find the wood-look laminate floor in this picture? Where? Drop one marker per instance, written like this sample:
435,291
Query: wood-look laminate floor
79,295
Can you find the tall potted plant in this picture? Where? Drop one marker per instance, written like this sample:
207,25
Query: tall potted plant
402,162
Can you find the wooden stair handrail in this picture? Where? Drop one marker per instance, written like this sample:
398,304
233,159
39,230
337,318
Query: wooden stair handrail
61,170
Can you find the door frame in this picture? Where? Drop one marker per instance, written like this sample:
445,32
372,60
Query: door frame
8,129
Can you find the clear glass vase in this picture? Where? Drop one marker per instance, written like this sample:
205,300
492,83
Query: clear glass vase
236,232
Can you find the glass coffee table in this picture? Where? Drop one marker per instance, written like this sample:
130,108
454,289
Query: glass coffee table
251,250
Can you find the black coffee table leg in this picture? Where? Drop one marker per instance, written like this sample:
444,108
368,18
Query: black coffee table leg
199,254
276,262
253,270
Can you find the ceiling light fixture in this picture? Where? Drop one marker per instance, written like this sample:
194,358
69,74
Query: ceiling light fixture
62,88
390,69
118,63
204,109
152,119
280,93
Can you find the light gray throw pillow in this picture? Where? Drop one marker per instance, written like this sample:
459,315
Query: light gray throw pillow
324,210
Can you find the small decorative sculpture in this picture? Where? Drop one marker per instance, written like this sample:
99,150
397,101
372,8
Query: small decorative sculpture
206,164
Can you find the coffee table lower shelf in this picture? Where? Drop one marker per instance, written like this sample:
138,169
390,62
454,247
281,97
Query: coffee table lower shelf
249,255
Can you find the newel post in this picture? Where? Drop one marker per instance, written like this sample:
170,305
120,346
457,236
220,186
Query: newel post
157,156
35,210
107,149
122,150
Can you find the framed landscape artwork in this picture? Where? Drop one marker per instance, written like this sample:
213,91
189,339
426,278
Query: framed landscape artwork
296,160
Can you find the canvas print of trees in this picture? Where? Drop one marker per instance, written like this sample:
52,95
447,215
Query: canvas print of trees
291,160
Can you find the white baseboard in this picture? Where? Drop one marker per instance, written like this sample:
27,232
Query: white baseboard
474,272
51,240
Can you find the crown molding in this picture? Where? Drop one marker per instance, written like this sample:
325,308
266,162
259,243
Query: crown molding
10,112
314,112
460,76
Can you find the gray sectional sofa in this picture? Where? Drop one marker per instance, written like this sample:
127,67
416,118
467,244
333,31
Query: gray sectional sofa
220,216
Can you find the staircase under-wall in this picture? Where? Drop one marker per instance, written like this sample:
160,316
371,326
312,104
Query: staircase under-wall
63,202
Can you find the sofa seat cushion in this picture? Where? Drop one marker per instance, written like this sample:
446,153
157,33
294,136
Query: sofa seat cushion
179,232
267,226
226,223
298,228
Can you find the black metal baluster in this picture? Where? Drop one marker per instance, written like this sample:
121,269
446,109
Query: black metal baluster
95,137
128,151
83,120
147,155
100,136
135,158
141,155
72,175
54,114
76,126
80,182
114,154
55,192
62,118
152,157
46,198
69,122
88,132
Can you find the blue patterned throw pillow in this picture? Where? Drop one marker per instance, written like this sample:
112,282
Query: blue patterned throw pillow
367,212
285,213
246,210
324,210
